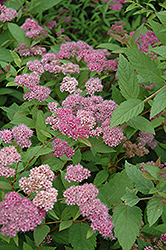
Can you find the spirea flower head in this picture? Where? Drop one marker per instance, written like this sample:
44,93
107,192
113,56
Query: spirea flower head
35,66
33,29
68,84
93,85
7,14
21,134
87,118
77,173
148,248
52,106
61,147
146,138
8,156
6,135
40,178
18,214
46,199
163,237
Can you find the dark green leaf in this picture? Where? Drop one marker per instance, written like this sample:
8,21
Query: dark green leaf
154,210
142,124
159,103
18,33
40,233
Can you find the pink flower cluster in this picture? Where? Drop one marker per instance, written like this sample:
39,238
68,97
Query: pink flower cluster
6,135
146,39
117,4
40,181
21,134
68,124
33,29
87,118
77,173
38,92
19,214
146,138
7,14
24,50
97,212
53,65
117,28
61,147
35,66
8,156
95,59
93,85
148,248
52,106
163,237
112,136
68,84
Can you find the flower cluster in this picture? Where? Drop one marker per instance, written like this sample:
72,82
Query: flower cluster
19,214
163,237
24,50
38,92
21,134
93,85
8,155
118,28
68,84
146,138
85,197
77,173
7,14
33,29
117,4
6,135
40,181
61,147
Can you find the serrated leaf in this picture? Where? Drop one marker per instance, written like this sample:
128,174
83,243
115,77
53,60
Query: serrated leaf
136,35
45,5
157,122
160,51
53,215
131,7
141,183
128,81
162,16
141,124
85,141
40,233
76,158
77,237
65,224
125,111
157,29
113,190
8,247
130,199
100,178
159,103
154,210
127,221
61,237
16,58
144,66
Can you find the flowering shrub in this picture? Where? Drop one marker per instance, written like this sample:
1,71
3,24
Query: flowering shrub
82,130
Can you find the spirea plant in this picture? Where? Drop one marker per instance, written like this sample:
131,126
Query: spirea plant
82,136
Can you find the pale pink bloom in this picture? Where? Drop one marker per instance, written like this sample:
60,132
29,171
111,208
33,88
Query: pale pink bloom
68,84
35,66
19,214
21,134
46,199
77,173
87,118
93,85
6,135
7,14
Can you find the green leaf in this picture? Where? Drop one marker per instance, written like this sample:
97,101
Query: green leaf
40,233
116,95
127,221
5,185
144,66
159,103
53,215
55,164
85,141
160,50
109,46
162,16
157,28
8,247
61,237
77,157
136,35
141,183
131,7
157,122
77,237
112,191
154,171
26,246
5,55
45,5
40,125
130,199
154,210
65,224
16,58
161,228
18,33
125,111
90,232
100,178
141,124
128,81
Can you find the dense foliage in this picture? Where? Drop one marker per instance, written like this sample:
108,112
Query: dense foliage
83,125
